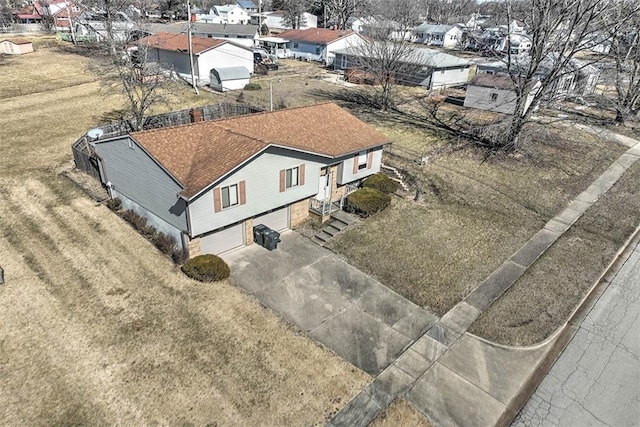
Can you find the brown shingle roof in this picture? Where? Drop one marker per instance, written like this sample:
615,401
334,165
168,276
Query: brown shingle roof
315,35
199,154
16,41
180,42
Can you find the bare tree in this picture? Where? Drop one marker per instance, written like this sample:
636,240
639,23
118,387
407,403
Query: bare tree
385,57
293,12
339,11
559,29
129,70
447,11
142,82
625,50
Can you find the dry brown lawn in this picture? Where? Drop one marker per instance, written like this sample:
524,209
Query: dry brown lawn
98,328
473,215
541,300
401,414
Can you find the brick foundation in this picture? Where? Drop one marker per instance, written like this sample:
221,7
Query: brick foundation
248,232
193,246
298,212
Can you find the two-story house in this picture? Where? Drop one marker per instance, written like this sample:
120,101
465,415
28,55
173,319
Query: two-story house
208,183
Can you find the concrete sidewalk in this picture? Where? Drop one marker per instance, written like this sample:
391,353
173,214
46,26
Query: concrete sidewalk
458,379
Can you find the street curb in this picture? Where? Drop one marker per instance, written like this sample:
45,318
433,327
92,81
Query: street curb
563,335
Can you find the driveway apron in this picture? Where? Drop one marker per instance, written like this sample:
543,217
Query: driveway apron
334,303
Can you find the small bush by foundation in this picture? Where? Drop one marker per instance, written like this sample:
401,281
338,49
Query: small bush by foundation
381,182
206,268
252,86
114,204
367,201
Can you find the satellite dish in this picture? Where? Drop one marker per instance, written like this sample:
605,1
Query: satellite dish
95,133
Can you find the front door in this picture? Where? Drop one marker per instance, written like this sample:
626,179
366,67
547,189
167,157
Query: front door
324,187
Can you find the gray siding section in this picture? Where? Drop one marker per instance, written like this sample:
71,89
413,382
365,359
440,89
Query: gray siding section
153,220
135,175
174,61
480,97
345,170
262,180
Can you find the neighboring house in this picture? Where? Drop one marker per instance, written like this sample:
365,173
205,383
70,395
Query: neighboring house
374,28
578,78
517,44
245,35
447,36
209,183
30,14
496,93
172,51
63,13
248,5
422,67
319,44
275,46
15,46
275,20
92,27
477,21
231,14
224,79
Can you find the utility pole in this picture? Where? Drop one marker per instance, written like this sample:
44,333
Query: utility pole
271,94
193,77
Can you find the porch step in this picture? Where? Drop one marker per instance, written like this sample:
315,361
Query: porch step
323,236
399,178
340,221
343,217
332,230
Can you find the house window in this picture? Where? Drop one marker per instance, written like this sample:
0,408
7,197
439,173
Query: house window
295,45
343,62
291,177
441,71
318,49
229,196
493,96
362,160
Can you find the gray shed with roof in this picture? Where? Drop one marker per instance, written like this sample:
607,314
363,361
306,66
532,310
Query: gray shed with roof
229,78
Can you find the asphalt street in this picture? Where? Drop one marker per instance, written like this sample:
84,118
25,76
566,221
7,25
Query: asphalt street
596,380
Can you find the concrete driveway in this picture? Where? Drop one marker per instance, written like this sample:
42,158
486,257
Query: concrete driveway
334,303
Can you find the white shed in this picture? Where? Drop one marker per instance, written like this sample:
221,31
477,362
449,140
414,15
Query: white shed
172,52
229,78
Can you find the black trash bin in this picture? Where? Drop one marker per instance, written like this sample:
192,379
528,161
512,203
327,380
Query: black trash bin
258,233
271,239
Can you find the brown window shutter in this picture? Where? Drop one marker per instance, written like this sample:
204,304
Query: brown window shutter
301,177
282,181
355,163
370,160
243,195
217,205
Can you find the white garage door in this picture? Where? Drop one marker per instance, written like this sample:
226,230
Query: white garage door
277,220
222,241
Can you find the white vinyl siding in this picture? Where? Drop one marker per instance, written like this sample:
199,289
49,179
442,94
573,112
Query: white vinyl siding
262,177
